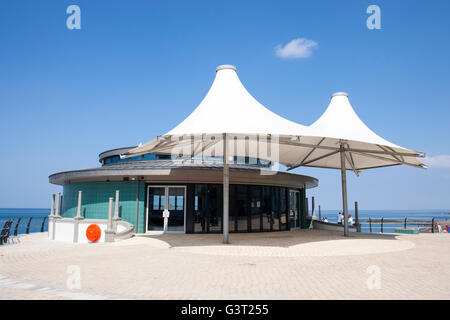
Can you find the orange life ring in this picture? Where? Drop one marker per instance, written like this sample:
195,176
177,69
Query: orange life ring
93,233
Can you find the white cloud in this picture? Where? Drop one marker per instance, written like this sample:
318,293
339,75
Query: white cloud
441,161
296,49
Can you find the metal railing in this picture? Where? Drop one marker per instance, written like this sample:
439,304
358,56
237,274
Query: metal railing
429,224
21,225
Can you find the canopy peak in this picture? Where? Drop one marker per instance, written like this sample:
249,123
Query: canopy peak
225,66
337,94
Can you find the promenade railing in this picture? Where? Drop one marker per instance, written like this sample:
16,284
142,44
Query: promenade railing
15,226
377,224
388,225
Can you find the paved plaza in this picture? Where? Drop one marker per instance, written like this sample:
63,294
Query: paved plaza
304,264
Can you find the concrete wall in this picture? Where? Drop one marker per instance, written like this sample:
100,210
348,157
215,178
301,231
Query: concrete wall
72,230
96,196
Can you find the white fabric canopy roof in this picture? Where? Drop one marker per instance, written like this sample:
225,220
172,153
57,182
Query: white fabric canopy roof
340,121
339,124
229,108
338,139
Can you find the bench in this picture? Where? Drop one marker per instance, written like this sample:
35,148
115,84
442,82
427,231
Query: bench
4,235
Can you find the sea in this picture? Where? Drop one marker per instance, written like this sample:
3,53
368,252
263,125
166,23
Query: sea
38,216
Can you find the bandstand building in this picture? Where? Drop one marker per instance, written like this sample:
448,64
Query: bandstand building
189,188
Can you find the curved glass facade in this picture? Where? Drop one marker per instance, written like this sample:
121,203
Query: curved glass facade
117,159
237,160
188,199
253,208
193,207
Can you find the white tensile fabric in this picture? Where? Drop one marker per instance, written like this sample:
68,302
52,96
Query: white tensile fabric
364,149
340,121
229,108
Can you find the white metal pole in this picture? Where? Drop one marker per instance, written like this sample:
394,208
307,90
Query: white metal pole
166,212
358,227
52,220
116,208
344,190
80,193
136,226
110,213
166,220
58,205
226,176
109,232
52,209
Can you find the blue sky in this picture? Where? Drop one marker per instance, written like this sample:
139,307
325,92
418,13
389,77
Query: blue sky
136,69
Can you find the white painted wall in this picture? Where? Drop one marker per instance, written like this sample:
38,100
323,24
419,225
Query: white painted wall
64,229
82,227
50,228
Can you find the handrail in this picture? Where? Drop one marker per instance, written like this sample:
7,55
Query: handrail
389,224
28,225
429,223
127,233
43,224
31,223
17,226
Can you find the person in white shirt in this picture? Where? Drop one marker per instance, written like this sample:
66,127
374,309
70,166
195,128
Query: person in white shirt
325,219
340,218
350,220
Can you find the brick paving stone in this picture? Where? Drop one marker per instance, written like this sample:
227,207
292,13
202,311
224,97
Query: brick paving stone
304,264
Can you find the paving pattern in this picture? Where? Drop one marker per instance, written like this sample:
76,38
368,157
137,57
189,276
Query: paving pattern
304,264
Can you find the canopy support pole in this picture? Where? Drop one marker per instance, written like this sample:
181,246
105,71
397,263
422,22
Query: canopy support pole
226,177
344,190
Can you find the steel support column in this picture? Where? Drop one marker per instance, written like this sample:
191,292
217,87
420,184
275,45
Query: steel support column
226,189
344,190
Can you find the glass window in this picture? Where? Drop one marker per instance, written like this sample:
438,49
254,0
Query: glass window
149,157
275,209
242,208
172,202
113,159
293,209
156,207
207,208
283,210
232,225
179,202
214,209
175,196
158,202
266,209
252,208
163,157
256,208
199,208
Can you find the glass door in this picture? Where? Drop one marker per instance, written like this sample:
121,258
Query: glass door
293,209
155,207
176,198
172,198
